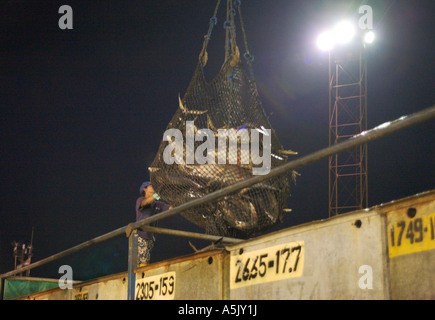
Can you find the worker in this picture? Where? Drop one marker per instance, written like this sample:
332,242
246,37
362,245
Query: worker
148,204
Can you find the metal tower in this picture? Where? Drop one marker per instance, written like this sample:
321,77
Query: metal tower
348,186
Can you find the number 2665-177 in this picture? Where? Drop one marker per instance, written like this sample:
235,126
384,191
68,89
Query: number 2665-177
268,264
280,263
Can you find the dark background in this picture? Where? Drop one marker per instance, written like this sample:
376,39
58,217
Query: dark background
83,110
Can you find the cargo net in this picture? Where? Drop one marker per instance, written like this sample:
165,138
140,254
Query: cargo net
191,161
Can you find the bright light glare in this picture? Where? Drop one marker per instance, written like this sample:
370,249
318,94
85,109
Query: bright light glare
344,32
341,34
325,41
369,37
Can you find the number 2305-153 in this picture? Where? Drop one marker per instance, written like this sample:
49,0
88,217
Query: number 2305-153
160,287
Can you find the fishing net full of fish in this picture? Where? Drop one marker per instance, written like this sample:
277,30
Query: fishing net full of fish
218,136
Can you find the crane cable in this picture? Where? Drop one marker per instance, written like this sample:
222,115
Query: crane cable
231,48
203,56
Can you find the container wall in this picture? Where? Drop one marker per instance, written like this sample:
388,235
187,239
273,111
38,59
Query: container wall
105,288
411,247
195,277
335,259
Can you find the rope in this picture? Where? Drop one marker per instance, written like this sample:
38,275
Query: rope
235,54
249,58
203,56
227,31
231,48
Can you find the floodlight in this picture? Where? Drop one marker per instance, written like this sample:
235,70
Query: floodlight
325,41
369,37
344,32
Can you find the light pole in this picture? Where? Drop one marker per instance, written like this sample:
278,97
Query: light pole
348,178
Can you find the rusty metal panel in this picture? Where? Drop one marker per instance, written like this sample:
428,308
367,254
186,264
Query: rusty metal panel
112,287
198,276
411,246
340,258
52,294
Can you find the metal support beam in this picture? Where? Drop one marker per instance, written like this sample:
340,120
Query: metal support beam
132,264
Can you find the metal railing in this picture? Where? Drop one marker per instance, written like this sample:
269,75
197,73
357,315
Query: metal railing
131,229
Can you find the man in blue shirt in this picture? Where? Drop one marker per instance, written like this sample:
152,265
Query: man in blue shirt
147,204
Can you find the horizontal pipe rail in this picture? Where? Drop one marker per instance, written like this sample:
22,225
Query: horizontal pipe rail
362,138
188,234
67,252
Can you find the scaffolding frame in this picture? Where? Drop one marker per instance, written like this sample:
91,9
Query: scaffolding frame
348,176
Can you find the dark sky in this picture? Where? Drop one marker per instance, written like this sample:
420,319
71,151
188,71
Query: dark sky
83,110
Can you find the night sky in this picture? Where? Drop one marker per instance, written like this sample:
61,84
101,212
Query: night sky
83,110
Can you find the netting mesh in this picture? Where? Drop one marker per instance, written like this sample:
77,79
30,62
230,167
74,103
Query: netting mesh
230,101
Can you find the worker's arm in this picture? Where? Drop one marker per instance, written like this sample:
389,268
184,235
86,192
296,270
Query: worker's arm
164,206
146,202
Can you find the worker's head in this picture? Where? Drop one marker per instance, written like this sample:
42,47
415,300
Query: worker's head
146,189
